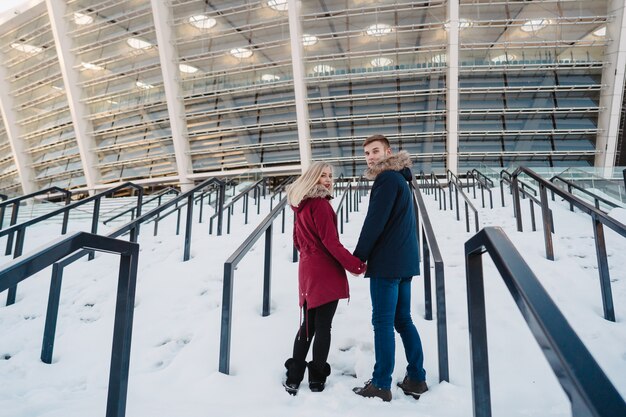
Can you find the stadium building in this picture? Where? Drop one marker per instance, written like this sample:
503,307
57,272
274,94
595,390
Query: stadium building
94,93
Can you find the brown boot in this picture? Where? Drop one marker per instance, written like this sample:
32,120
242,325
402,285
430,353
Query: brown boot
370,390
413,388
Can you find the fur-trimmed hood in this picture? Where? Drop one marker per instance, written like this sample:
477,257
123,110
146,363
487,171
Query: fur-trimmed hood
400,161
317,191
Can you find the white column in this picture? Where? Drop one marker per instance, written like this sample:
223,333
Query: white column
22,159
57,9
173,91
612,91
452,87
299,84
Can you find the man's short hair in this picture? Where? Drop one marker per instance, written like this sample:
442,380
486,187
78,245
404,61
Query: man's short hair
377,138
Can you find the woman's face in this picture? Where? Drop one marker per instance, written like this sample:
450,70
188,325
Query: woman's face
326,178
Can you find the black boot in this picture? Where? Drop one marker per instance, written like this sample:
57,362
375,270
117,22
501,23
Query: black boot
317,376
295,374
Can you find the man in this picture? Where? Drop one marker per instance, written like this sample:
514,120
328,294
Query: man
388,243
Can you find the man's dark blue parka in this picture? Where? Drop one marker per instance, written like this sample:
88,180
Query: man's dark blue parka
388,240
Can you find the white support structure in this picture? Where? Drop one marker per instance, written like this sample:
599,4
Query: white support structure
299,84
23,161
57,10
611,96
173,91
452,87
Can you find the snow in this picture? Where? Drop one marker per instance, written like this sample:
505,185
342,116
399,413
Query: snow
175,342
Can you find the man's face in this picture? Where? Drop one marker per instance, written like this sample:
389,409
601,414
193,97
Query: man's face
374,152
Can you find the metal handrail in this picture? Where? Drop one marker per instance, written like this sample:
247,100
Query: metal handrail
468,204
20,269
339,211
482,180
431,247
532,199
21,228
442,191
15,202
596,198
3,197
587,387
231,203
132,210
132,227
229,273
598,218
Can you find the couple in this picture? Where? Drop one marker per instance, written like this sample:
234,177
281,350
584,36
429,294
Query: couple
388,244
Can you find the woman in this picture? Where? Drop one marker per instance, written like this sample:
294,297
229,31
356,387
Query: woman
322,279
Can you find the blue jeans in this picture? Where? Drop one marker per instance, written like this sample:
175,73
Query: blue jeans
391,307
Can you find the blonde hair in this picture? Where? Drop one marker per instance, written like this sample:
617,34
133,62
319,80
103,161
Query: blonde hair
301,187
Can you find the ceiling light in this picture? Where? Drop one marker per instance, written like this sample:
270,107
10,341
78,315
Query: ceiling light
503,58
280,5
463,24
381,62
24,47
308,40
269,77
90,66
201,21
241,53
378,29
82,19
534,25
143,85
600,32
187,69
323,68
138,43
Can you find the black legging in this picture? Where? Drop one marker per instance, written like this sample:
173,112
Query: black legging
319,321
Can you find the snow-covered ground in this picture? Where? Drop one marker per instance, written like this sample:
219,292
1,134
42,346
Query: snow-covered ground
175,347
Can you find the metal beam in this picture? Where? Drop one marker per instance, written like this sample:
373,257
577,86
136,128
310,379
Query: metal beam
611,96
299,84
57,10
22,159
452,91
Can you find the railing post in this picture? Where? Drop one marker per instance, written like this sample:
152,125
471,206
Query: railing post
201,207
19,246
66,214
442,328
603,269
227,311
94,223
478,335
458,209
267,272
188,225
517,209
219,206
547,233
122,332
52,313
428,303
467,224
14,213
177,221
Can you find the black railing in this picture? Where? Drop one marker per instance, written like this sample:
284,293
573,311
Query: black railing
229,275
132,228
278,191
599,220
3,197
458,188
21,228
132,210
588,388
231,204
431,247
20,269
573,186
15,203
484,183
505,176
344,207
441,189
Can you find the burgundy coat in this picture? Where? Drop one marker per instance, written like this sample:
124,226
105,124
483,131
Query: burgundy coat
321,274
